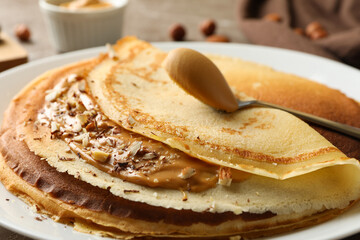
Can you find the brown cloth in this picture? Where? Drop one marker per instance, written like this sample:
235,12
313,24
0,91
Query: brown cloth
340,18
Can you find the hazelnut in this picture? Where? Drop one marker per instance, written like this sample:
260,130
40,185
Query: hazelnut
22,32
299,31
177,32
208,27
320,33
315,31
217,38
272,17
311,27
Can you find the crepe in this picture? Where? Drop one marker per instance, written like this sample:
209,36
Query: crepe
290,176
239,140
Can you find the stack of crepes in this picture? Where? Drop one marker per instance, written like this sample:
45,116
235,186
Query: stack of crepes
114,147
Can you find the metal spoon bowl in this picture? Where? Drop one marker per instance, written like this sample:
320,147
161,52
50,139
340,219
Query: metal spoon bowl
200,77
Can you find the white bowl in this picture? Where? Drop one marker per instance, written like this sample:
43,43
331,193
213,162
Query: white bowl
82,28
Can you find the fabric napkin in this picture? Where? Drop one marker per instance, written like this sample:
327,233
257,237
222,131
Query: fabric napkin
339,18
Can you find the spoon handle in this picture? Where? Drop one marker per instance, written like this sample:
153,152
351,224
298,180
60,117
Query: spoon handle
343,128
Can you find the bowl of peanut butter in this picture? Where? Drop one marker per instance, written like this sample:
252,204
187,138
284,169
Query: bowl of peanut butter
80,24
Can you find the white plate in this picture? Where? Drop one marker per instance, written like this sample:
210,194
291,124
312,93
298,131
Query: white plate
16,216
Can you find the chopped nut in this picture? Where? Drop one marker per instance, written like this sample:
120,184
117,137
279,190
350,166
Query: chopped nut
86,101
149,155
82,119
82,86
52,95
134,148
72,78
80,106
131,121
213,207
100,155
156,180
185,198
225,177
77,127
91,126
68,150
187,172
78,138
85,140
54,127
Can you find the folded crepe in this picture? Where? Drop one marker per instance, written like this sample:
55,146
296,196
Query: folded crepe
114,147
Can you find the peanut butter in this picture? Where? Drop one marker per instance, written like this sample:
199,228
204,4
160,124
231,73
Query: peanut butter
200,77
85,4
73,116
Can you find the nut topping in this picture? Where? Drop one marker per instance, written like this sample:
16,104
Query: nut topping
149,155
51,96
187,172
134,148
81,86
131,121
74,117
87,102
225,177
100,155
54,127
82,118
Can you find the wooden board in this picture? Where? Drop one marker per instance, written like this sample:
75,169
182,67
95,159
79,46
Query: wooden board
11,53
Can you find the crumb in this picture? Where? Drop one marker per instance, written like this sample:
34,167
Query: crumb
185,198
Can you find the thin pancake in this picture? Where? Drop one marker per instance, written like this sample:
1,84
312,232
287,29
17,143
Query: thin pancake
32,166
262,141
287,90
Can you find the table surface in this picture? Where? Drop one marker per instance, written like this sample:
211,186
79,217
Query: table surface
147,19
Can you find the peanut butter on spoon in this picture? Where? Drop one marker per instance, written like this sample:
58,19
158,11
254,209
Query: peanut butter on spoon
200,77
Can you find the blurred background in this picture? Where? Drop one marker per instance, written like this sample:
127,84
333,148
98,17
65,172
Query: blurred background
149,20
328,28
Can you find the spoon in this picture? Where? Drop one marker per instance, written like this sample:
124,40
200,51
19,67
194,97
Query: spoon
199,77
